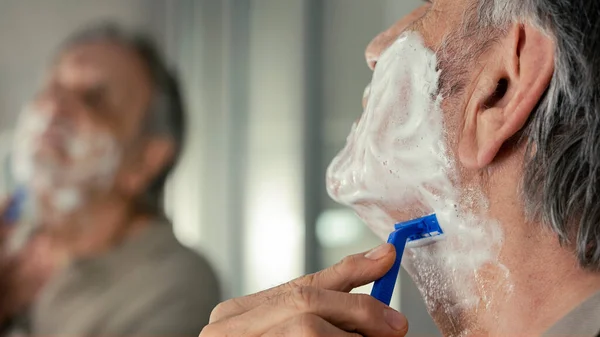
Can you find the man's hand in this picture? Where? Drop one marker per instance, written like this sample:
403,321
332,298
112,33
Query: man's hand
24,273
315,305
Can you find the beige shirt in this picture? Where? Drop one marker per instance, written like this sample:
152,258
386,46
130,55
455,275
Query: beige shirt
148,286
584,321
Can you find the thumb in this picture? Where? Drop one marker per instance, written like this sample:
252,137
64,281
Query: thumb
353,271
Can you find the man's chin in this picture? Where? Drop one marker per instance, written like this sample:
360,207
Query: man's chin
412,213
381,219
406,213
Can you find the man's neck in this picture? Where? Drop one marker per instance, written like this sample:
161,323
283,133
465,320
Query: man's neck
547,283
99,226
543,283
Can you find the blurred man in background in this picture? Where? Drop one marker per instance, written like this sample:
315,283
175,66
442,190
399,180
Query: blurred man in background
94,150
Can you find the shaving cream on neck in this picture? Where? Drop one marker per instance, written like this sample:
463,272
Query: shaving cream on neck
396,166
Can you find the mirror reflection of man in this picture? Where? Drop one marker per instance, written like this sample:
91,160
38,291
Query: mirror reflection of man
94,149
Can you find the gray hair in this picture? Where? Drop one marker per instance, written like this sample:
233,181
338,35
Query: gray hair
561,185
165,115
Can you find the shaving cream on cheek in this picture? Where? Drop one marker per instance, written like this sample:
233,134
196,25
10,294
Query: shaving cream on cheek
395,158
73,161
395,167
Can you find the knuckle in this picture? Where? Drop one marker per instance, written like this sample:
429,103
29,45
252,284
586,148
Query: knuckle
350,260
293,285
307,325
209,331
303,298
215,314
307,279
366,308
304,281
226,328
234,327
347,263
338,269
220,311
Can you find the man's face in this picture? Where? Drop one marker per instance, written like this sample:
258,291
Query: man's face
400,160
73,137
398,104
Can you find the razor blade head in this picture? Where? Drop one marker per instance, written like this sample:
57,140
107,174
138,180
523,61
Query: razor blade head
424,241
429,231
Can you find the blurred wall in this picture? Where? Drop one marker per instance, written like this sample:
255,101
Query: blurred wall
30,31
237,194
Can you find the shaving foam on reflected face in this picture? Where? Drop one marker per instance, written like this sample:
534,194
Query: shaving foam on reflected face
396,167
53,157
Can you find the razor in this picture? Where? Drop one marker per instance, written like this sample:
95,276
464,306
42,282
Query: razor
414,233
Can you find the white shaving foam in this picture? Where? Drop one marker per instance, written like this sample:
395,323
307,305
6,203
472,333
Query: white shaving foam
395,167
87,159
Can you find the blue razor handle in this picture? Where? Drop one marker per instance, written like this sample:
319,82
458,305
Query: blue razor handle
409,231
15,206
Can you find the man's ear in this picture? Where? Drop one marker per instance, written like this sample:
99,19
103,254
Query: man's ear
515,76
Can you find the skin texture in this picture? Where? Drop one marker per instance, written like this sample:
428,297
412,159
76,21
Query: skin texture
502,87
90,88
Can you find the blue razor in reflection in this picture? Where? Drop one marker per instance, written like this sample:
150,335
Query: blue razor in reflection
413,233
15,206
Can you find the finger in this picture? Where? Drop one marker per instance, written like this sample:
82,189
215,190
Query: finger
349,312
308,325
353,271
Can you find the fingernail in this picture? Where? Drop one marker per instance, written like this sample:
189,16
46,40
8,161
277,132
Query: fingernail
378,252
395,320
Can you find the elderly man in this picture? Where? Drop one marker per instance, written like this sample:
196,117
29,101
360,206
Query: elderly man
94,150
485,113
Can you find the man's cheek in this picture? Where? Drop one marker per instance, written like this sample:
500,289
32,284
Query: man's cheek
394,154
453,117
